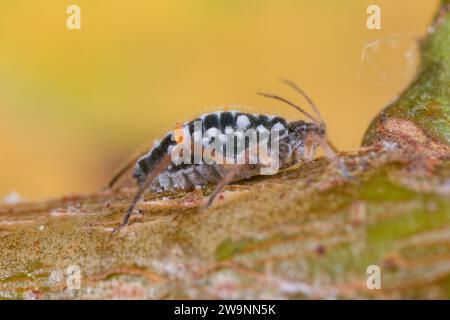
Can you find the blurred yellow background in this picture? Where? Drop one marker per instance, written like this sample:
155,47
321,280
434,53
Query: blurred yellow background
74,104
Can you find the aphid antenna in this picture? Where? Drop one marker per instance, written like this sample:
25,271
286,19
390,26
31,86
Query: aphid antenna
303,93
273,96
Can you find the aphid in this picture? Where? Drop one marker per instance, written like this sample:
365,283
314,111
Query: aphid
298,141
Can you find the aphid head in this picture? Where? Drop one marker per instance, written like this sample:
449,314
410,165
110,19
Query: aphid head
303,137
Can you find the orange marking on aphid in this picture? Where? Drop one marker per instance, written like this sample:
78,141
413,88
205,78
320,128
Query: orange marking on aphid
179,138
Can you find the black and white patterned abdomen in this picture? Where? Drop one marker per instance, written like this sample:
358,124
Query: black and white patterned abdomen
189,176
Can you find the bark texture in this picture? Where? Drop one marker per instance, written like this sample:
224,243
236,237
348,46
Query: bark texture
304,233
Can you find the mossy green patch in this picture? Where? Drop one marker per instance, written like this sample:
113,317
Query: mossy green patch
380,187
228,248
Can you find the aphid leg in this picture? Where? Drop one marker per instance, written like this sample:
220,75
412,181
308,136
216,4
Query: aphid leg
331,154
163,164
309,147
225,180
